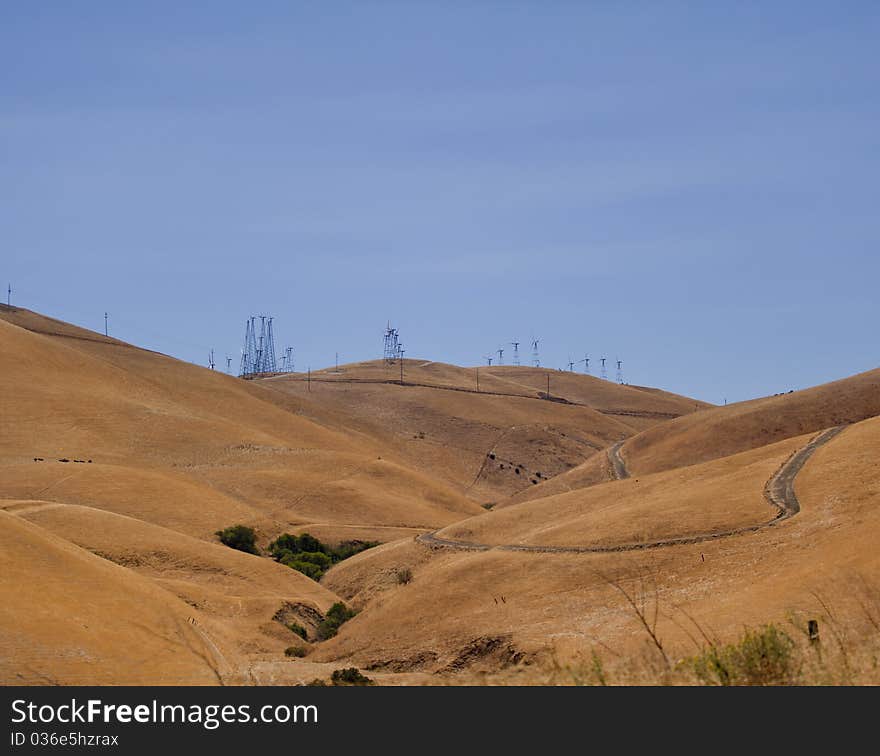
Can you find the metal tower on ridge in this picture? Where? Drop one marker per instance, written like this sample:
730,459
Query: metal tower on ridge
287,360
620,371
586,361
515,345
604,374
500,356
269,365
535,359
258,354
393,346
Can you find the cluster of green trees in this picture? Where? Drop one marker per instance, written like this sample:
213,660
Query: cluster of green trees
304,553
239,537
308,555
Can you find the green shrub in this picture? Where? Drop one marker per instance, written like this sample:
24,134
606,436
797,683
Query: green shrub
336,616
308,569
761,657
295,627
295,551
318,558
239,537
350,676
348,549
295,544
297,651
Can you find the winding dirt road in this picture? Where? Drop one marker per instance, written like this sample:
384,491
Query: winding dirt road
779,492
618,466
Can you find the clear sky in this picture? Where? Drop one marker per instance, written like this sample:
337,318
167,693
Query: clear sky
691,188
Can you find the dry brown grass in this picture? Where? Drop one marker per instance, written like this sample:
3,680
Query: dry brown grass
121,552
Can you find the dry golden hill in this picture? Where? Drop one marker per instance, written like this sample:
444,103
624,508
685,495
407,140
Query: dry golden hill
488,444
160,432
138,458
69,617
464,611
722,431
117,466
638,406
687,501
128,461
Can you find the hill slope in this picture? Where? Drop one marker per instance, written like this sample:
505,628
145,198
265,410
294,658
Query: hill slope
493,609
719,432
486,444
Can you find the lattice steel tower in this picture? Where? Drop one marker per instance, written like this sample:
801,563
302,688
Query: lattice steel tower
392,345
258,354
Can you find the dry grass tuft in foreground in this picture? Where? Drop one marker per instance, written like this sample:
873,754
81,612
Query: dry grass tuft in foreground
831,645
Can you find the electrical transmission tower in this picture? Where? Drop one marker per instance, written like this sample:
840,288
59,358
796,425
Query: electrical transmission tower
535,359
269,364
392,345
620,372
515,345
287,360
571,365
500,356
488,359
586,361
258,354
604,373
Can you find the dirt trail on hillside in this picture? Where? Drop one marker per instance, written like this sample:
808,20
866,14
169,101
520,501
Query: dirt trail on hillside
779,492
618,466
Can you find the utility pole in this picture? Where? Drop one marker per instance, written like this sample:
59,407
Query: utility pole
310,379
402,352
9,296
211,359
106,332
337,362
478,379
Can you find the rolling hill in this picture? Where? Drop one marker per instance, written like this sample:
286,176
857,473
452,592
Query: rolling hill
513,525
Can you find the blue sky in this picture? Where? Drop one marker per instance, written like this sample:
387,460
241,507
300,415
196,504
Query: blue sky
691,188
